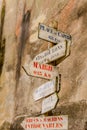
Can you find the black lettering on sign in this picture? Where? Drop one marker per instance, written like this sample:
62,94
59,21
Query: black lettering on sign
42,27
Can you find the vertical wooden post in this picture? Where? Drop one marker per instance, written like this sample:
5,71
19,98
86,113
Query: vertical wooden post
53,24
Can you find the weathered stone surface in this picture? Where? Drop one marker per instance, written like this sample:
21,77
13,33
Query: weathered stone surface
77,114
22,45
7,83
5,126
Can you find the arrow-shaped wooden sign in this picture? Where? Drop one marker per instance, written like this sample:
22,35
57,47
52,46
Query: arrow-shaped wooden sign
52,35
41,70
46,89
56,52
49,103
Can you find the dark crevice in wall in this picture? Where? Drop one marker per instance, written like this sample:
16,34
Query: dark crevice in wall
24,34
2,40
85,125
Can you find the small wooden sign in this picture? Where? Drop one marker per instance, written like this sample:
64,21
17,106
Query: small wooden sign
52,35
54,53
41,70
46,89
49,103
46,123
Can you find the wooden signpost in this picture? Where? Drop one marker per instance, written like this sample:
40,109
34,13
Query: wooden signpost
41,70
49,103
52,35
54,53
46,89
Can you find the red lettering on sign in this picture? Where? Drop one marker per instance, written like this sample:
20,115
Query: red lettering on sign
49,75
60,118
36,64
37,120
37,73
29,120
45,75
43,66
58,125
54,119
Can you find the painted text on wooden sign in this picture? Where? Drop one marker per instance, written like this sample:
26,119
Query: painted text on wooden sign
46,123
51,34
41,70
52,54
46,89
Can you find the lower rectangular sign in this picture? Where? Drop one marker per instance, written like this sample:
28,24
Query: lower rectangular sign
46,123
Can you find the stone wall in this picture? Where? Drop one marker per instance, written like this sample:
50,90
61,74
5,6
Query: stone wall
20,32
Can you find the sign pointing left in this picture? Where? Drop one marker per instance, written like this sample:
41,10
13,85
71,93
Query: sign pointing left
45,89
41,70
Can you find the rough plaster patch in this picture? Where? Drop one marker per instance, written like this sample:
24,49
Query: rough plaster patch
34,26
78,24
34,37
27,59
81,92
0,2
38,20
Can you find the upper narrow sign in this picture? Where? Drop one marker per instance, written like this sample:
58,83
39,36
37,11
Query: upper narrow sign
49,103
46,89
52,54
51,34
41,70
46,123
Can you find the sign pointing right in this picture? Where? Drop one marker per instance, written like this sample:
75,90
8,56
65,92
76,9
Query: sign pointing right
56,52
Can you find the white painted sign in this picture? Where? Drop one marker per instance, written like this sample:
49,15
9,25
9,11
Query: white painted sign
46,89
54,53
46,123
52,35
49,103
41,70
